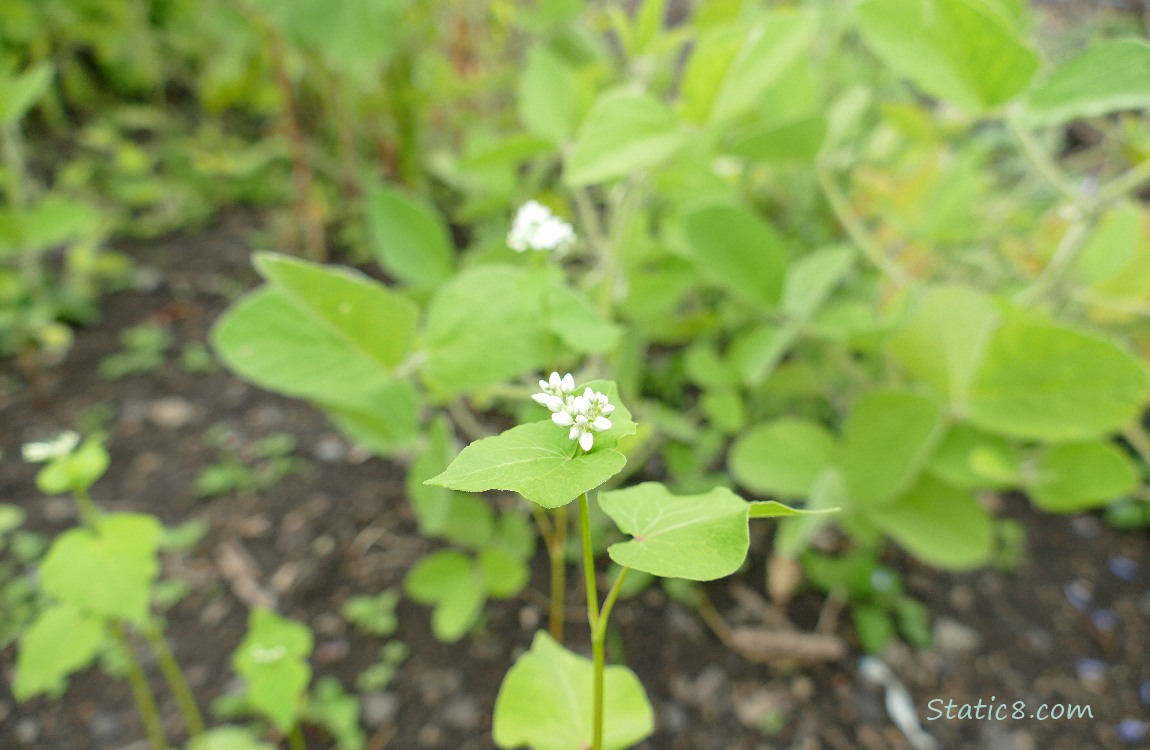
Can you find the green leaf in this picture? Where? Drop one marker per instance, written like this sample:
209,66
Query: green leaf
409,238
19,94
966,452
75,472
626,131
385,421
1113,245
1043,381
59,642
311,338
273,658
730,69
699,537
828,492
536,460
338,713
496,308
438,510
455,585
738,251
11,518
504,574
1106,77
229,738
351,306
108,572
940,525
548,96
956,50
545,702
887,440
1080,476
782,457
811,279
794,141
942,339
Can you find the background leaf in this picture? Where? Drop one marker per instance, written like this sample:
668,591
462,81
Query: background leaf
1106,77
626,131
1043,381
545,702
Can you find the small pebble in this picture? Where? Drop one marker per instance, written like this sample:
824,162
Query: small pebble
953,638
529,618
104,726
171,413
27,731
1091,670
1123,567
379,709
462,713
1079,594
1132,730
330,449
1086,527
1105,620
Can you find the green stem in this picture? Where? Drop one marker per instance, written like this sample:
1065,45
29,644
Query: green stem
89,513
556,549
1125,183
142,693
1135,434
620,220
598,621
589,564
856,229
296,740
1064,256
466,421
589,218
178,684
1045,166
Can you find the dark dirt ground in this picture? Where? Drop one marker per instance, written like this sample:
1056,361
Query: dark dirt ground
340,527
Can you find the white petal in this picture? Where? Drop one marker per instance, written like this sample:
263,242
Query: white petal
600,424
541,398
555,382
562,418
607,409
576,432
589,394
554,403
586,441
580,405
568,383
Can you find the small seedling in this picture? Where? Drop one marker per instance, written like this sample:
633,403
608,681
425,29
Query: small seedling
254,467
144,349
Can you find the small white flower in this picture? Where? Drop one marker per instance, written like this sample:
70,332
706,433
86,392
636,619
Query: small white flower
536,228
46,450
584,415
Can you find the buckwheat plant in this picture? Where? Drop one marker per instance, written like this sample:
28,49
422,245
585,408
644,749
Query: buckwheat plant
100,577
552,697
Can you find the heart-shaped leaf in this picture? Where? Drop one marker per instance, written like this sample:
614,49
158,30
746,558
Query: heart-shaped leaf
106,572
454,585
540,461
273,659
545,702
62,640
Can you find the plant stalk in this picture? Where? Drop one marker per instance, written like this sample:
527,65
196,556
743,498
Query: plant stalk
857,230
556,550
296,740
142,693
177,682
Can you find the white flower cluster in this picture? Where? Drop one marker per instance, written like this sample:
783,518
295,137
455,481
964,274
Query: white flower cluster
536,228
585,414
47,450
